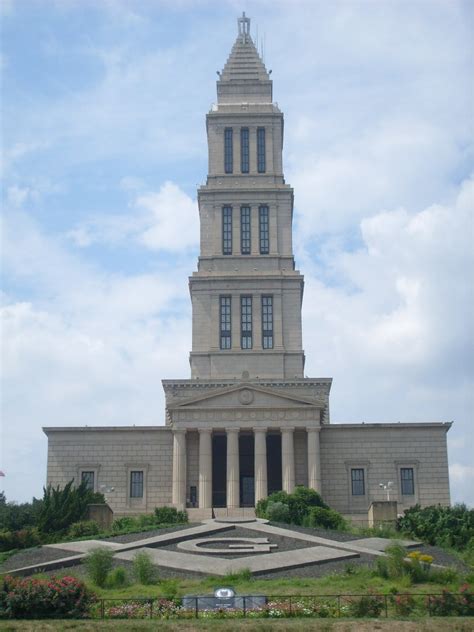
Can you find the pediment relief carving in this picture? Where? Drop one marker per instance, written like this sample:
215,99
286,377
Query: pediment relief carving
247,396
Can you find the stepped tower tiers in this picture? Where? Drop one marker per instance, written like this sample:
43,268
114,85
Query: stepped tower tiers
246,254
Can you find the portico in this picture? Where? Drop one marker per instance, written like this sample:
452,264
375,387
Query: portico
242,488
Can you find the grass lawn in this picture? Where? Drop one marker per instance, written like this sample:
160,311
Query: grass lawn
292,625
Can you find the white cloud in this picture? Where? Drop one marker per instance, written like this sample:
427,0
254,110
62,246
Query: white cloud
462,478
164,221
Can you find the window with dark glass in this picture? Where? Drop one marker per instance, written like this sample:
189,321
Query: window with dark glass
136,484
244,150
227,230
408,481
264,230
246,322
267,322
228,150
225,322
261,165
245,230
88,479
357,481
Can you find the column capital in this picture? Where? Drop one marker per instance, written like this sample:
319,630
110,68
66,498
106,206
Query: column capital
232,429
205,430
287,429
260,429
182,431
313,428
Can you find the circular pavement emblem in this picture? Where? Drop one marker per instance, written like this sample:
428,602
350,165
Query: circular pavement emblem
245,396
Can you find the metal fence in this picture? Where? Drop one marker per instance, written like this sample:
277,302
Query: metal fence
281,606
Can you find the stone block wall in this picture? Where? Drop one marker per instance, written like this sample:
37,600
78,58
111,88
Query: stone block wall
381,450
111,453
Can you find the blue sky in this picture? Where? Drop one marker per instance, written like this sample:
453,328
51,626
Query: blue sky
103,134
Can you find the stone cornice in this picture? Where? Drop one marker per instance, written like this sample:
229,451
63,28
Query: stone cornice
274,416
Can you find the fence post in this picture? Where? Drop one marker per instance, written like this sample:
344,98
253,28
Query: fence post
429,605
245,606
290,607
102,609
386,607
339,606
151,608
196,608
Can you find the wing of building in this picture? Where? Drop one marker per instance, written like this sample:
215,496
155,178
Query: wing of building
247,422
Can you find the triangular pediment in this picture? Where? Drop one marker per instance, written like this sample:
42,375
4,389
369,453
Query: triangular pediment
247,395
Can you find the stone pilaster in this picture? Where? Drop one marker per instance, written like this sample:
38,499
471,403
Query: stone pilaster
260,450
205,468
288,459
314,459
233,468
179,468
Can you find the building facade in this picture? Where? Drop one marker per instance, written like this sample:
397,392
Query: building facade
248,422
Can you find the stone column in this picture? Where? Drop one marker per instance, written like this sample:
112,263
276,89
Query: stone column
287,460
260,451
233,468
205,468
179,468
314,459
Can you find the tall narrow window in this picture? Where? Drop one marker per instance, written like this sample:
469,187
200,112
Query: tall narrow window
357,482
267,322
228,150
227,230
407,481
245,230
225,322
261,162
246,322
88,479
264,230
136,484
244,149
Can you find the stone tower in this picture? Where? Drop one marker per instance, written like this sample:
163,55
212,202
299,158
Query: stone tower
246,294
247,394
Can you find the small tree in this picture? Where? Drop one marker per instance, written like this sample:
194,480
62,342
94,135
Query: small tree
98,563
62,507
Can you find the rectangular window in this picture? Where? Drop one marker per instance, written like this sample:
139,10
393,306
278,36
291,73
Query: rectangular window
245,230
246,322
136,484
357,481
225,322
244,150
228,150
264,230
261,165
408,481
227,230
267,322
88,479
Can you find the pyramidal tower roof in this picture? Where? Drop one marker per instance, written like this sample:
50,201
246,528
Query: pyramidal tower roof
244,78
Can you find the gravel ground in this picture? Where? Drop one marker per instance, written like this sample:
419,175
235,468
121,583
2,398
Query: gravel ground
337,536
133,537
284,544
33,556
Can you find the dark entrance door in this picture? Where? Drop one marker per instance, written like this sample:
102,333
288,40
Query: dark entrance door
274,463
219,471
246,462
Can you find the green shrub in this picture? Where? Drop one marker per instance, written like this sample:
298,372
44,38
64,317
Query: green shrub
403,605
299,503
170,515
127,523
98,563
84,528
117,578
62,507
278,512
146,520
33,598
324,518
450,604
169,588
144,571
445,526
21,539
17,516
369,605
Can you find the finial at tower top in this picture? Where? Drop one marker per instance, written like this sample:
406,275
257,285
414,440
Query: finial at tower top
244,27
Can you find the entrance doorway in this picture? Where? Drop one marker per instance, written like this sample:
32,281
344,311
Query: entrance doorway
274,463
219,471
247,472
